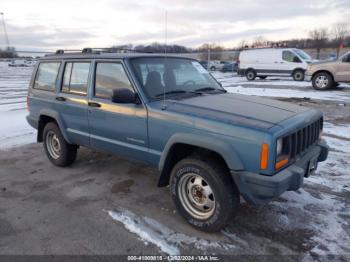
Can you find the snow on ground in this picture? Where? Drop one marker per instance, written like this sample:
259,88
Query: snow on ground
319,207
14,83
168,241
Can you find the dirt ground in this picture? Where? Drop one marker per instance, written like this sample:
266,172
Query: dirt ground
104,204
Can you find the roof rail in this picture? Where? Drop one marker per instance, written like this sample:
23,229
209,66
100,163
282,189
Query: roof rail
88,50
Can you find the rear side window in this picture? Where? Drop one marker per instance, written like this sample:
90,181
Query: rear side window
110,76
290,57
46,76
75,78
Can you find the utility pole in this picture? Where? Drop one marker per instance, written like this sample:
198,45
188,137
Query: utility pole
5,31
208,65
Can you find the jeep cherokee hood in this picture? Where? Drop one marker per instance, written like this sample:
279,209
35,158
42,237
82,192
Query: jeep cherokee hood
237,109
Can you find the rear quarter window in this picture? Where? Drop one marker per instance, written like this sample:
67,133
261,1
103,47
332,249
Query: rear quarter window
46,76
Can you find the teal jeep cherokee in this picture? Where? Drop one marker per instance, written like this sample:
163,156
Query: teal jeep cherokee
210,146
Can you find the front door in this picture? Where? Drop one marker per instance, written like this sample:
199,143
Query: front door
118,128
343,69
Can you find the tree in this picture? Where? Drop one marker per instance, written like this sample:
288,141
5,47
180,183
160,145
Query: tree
10,52
339,32
319,37
215,51
242,44
259,41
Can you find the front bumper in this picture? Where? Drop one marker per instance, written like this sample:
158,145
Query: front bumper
260,189
307,78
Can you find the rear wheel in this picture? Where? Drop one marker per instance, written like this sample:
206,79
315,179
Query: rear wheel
213,68
298,75
250,74
59,152
322,81
204,193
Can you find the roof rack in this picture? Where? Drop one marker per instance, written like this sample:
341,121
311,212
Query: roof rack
89,50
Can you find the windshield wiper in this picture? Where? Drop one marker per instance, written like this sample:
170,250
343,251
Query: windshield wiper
209,88
179,91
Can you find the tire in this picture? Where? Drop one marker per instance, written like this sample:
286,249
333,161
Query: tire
322,81
209,213
213,68
59,152
335,84
250,74
298,75
262,77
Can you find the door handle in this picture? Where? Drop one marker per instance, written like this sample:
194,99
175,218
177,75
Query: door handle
60,98
94,104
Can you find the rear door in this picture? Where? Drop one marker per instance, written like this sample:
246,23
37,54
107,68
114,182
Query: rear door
72,101
118,128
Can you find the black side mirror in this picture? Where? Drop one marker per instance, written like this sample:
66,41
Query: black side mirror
124,96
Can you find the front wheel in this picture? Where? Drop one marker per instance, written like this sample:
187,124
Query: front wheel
204,193
322,81
298,75
59,152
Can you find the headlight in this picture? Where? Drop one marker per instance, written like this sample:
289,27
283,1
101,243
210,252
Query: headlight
279,147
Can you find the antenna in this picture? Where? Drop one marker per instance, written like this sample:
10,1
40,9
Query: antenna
165,53
5,31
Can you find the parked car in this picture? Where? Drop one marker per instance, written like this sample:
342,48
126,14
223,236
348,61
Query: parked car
210,146
230,67
266,62
204,64
325,75
21,63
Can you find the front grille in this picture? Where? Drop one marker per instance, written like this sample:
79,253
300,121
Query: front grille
303,138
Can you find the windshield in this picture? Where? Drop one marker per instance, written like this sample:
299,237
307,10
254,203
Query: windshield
302,54
173,77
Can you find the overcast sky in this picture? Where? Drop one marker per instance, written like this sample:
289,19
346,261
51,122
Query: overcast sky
52,24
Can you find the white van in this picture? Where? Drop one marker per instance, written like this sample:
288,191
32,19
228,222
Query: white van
266,62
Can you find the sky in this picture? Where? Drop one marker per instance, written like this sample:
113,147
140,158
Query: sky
57,24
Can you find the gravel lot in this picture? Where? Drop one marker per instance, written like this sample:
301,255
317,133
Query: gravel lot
103,204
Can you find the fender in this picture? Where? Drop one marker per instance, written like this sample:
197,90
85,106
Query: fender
56,116
222,147
298,68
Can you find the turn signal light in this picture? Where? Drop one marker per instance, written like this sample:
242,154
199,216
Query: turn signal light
264,156
281,163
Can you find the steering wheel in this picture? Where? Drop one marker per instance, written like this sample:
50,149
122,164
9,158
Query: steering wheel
189,82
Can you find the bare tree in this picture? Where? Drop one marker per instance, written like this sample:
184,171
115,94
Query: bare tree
214,51
339,32
242,44
319,37
259,41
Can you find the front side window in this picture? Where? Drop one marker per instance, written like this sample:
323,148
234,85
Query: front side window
75,78
110,76
46,76
173,77
290,57
302,54
346,58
